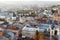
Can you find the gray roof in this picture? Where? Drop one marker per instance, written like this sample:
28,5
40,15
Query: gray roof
3,38
43,26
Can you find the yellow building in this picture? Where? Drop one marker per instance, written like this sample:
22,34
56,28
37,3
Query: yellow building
56,17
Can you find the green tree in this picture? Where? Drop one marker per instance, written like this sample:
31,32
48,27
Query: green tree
37,34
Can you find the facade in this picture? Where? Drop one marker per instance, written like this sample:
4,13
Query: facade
59,10
23,19
30,31
56,28
56,17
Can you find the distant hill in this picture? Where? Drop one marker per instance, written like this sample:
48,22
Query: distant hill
55,6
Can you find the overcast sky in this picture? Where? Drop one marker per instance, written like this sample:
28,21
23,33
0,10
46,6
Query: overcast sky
28,1
19,3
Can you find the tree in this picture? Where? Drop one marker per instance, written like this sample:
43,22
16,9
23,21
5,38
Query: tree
37,34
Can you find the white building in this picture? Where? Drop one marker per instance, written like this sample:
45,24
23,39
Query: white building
30,31
13,18
56,28
1,22
2,17
23,19
55,31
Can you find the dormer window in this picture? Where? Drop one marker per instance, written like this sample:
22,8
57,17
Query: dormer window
27,26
